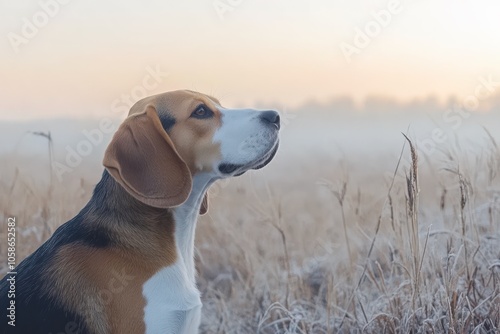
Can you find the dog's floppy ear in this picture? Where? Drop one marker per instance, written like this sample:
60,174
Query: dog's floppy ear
204,204
142,159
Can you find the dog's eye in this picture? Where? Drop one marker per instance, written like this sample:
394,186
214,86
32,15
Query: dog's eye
202,111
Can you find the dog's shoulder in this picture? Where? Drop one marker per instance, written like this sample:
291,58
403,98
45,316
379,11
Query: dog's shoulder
35,309
36,288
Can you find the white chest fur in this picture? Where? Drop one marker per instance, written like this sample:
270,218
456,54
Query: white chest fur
173,302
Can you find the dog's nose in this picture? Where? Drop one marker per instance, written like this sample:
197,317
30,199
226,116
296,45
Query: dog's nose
272,117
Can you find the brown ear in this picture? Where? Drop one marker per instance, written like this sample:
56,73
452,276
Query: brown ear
204,204
142,158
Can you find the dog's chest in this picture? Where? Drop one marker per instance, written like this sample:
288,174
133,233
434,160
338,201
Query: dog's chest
173,302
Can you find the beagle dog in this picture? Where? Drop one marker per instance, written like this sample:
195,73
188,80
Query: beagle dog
125,263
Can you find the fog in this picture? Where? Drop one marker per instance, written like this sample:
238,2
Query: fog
334,131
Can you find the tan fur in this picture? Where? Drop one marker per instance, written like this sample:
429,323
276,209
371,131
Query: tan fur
105,285
138,157
192,138
147,162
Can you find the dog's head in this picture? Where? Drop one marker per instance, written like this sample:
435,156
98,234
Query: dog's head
169,138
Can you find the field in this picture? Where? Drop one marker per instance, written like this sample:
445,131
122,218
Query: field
372,241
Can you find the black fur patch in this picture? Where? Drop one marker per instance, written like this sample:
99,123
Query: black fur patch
167,121
35,312
228,168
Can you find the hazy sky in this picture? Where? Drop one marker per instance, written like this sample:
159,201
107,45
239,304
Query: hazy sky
87,54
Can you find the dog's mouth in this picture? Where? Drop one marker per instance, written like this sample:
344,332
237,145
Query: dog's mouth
228,168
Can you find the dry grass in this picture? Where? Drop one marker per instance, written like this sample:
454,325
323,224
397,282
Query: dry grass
312,248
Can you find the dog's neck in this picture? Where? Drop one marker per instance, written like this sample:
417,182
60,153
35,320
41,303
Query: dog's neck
186,216
146,226
112,200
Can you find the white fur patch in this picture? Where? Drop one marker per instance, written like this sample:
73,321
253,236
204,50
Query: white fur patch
243,137
173,302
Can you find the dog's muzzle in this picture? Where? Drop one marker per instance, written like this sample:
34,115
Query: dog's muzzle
227,168
271,119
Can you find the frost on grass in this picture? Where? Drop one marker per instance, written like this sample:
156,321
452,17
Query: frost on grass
323,247
419,253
